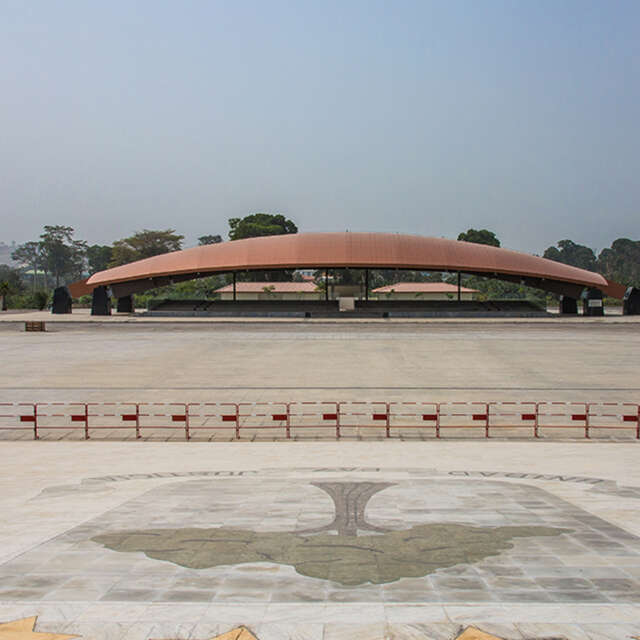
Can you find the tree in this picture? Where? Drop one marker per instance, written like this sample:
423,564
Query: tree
621,262
4,292
573,254
144,244
202,240
260,224
63,256
30,254
12,277
480,236
98,257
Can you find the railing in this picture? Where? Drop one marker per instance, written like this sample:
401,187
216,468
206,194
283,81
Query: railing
339,418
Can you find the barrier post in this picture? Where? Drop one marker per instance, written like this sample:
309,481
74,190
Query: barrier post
187,435
587,409
36,436
138,434
338,410
387,429
486,423
438,420
288,423
536,434
237,421
86,421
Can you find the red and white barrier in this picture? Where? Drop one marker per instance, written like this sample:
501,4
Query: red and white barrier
213,416
62,416
415,415
264,415
364,415
512,415
19,416
563,415
164,415
113,416
485,419
458,415
315,415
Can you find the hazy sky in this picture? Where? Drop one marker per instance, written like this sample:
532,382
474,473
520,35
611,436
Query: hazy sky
521,116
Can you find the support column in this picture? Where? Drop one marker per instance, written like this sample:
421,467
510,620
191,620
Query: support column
592,304
234,286
326,285
100,302
568,305
459,296
366,284
631,302
125,304
61,301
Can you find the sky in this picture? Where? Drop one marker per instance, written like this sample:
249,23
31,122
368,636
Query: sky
519,116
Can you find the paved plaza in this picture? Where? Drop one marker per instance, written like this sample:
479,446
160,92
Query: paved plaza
323,539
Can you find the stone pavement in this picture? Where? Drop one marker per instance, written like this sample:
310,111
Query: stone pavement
322,540
259,361
576,360
318,540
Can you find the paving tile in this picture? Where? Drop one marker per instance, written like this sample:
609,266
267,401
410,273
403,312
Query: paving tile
373,631
422,631
551,630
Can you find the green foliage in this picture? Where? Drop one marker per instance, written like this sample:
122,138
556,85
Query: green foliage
198,289
11,286
621,262
480,236
202,240
30,254
377,277
40,299
32,300
98,257
56,253
144,244
4,292
493,289
13,279
62,255
260,224
576,255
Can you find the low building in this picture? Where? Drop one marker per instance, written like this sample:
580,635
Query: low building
422,291
271,291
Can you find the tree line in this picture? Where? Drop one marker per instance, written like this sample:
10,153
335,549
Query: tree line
57,258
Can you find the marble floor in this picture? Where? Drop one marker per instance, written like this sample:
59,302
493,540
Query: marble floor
325,541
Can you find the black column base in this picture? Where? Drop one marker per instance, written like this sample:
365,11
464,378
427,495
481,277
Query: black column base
125,304
61,300
631,302
100,302
592,304
568,305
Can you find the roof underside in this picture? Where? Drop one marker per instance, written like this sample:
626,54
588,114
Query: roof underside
356,250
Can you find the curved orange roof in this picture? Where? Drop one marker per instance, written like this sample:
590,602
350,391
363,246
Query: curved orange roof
358,250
